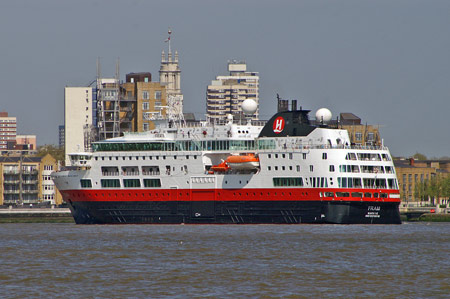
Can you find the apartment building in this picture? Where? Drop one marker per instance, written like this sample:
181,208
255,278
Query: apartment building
150,100
225,94
410,173
26,180
360,134
78,116
8,131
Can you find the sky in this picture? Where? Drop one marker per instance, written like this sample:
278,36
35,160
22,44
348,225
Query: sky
386,61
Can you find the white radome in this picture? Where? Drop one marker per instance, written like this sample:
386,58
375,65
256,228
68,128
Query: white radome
323,115
249,106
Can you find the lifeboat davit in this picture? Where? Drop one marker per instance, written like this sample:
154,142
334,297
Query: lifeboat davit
243,161
222,167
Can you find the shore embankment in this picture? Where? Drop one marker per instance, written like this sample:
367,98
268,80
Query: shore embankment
36,215
431,217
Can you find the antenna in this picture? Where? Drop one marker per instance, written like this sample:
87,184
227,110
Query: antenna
168,39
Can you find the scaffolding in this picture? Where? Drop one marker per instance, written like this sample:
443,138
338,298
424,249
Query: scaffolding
108,105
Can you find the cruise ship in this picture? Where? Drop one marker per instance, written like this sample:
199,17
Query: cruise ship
289,171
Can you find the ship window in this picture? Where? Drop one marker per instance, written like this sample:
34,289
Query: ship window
269,156
298,168
342,194
329,194
96,158
304,156
110,158
123,158
283,167
131,183
311,168
175,157
290,167
195,156
86,183
187,157
291,156
117,158
276,167
284,156
324,156
287,182
269,168
276,156
103,158
368,195
357,194
110,183
152,183
331,168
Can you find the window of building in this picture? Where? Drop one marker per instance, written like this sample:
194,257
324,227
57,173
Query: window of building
145,95
145,105
146,115
158,95
358,136
370,137
146,126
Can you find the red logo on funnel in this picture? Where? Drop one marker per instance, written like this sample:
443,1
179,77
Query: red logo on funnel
278,125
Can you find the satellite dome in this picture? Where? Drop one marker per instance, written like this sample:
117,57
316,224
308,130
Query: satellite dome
249,106
323,115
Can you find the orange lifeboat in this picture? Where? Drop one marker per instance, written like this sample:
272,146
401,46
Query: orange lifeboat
243,161
222,167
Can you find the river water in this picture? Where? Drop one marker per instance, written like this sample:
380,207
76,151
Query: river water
411,260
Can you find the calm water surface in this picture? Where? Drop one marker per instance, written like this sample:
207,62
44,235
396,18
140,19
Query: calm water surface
294,261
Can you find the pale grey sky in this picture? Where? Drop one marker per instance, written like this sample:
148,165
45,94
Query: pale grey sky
387,61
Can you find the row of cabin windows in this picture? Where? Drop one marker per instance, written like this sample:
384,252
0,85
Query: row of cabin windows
283,168
276,156
127,183
348,182
185,145
140,158
134,170
365,169
367,157
354,194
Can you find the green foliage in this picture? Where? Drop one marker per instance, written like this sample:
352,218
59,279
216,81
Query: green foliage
419,156
56,152
436,187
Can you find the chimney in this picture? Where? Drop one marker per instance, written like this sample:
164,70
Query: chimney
411,161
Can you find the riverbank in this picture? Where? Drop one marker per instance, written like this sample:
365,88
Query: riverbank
428,217
36,215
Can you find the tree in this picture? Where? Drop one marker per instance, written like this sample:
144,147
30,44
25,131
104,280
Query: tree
419,156
56,152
